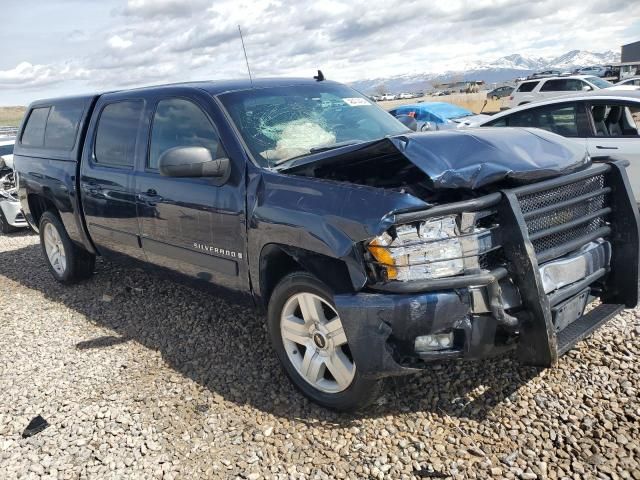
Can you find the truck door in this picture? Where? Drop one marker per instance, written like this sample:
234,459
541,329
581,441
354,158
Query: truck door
193,226
107,183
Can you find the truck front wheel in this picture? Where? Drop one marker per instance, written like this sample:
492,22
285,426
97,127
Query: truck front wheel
309,339
67,262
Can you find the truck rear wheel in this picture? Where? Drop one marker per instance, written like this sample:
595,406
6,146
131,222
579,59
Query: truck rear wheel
309,339
67,262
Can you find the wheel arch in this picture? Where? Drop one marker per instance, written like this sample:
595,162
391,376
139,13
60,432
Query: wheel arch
277,261
38,204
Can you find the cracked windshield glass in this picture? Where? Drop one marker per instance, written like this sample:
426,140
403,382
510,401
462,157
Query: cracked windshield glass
280,124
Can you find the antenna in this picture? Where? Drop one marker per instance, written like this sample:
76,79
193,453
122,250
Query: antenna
245,56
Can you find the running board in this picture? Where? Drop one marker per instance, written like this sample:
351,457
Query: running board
585,326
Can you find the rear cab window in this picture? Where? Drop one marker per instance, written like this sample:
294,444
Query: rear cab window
33,134
53,127
117,132
62,125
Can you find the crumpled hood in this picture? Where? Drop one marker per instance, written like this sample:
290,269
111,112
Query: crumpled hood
449,159
475,158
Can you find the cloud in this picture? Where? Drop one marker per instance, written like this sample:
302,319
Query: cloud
154,41
26,75
164,8
119,43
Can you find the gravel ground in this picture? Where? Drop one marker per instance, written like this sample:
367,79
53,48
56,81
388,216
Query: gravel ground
140,377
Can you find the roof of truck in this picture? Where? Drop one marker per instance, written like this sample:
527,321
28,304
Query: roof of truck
213,87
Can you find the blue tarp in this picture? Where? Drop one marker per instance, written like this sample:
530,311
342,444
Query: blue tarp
437,112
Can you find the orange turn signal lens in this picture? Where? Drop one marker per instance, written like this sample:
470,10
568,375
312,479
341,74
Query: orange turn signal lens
383,255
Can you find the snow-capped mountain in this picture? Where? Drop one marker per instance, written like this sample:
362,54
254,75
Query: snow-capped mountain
581,58
500,70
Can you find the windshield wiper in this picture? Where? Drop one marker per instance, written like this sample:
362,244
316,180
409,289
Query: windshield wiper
335,145
291,161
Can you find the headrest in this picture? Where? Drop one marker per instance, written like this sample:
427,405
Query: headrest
598,112
614,115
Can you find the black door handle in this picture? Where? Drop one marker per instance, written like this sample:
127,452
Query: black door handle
602,147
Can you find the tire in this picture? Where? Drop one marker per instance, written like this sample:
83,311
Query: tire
318,348
67,262
4,225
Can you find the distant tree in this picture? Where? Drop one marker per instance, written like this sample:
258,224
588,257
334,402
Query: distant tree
380,89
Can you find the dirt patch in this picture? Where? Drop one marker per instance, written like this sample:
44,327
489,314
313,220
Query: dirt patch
11,116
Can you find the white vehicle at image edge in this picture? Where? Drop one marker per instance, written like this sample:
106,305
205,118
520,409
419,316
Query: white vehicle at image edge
633,81
606,122
543,88
11,217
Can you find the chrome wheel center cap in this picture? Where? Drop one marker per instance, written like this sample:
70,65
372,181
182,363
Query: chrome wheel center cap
320,340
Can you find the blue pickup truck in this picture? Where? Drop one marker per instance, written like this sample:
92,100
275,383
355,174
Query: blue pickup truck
374,250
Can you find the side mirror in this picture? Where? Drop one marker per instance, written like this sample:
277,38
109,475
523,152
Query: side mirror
429,127
408,121
192,162
587,88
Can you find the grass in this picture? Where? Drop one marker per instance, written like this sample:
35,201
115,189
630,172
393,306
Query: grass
11,116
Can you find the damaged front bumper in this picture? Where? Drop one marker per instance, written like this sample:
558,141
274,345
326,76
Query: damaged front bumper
565,242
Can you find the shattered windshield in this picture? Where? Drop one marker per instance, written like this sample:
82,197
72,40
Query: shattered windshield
282,123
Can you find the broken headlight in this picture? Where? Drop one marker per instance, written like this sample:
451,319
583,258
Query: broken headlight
431,249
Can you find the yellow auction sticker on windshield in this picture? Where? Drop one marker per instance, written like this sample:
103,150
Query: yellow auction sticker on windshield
355,101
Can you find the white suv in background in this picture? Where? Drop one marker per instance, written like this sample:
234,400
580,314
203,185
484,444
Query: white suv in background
541,88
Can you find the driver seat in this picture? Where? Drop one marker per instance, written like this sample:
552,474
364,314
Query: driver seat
598,112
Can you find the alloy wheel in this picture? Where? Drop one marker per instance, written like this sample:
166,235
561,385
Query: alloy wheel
316,344
55,249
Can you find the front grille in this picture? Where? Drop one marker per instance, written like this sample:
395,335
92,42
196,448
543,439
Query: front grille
561,215
562,238
553,196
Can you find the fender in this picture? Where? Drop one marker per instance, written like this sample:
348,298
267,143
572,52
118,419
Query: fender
321,217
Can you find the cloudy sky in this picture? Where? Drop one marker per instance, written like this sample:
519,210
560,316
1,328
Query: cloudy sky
59,47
